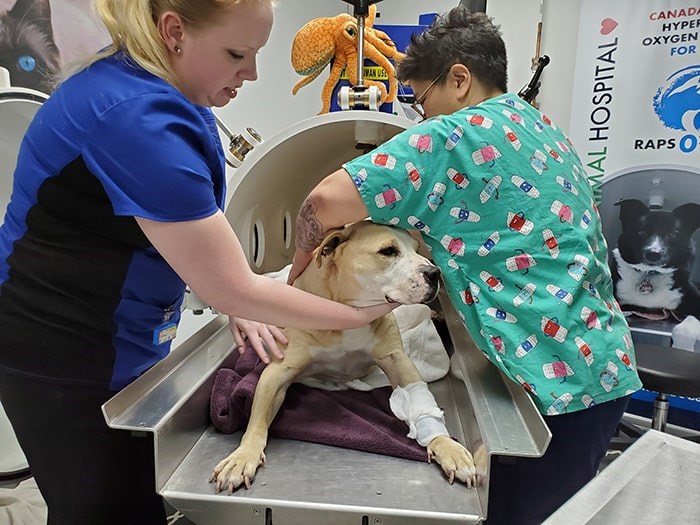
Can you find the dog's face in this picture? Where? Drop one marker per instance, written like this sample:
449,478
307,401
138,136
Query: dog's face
27,47
657,238
367,263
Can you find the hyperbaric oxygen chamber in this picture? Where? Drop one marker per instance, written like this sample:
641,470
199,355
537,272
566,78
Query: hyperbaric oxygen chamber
267,190
17,108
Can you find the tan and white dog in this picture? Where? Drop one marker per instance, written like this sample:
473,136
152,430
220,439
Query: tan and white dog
361,264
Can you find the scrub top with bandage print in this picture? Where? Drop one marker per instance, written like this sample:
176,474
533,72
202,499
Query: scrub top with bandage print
502,200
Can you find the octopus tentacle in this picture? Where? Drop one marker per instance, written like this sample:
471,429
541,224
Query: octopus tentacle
382,61
385,49
333,79
306,80
327,39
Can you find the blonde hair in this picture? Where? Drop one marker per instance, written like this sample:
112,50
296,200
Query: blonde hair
133,27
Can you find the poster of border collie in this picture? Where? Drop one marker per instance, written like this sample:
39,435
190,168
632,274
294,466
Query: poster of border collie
652,262
38,38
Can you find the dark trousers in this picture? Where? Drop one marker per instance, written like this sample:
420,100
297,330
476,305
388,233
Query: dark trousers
88,473
525,491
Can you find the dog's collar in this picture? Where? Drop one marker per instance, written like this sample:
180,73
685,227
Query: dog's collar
647,272
654,315
645,287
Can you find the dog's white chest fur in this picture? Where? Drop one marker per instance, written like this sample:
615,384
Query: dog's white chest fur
349,358
645,287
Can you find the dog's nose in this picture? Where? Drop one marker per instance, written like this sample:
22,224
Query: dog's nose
653,255
432,274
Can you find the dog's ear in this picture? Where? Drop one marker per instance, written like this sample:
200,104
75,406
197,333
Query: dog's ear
330,243
689,214
630,210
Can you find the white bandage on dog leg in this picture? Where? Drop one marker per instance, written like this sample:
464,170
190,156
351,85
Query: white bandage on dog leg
416,405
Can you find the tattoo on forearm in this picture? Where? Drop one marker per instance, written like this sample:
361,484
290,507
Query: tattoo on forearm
310,231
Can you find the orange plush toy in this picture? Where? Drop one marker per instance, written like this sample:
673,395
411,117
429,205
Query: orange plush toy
335,38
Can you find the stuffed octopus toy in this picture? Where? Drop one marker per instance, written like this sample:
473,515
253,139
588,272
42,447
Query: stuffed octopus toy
327,39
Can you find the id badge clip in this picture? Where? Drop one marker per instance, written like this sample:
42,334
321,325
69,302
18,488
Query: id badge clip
167,329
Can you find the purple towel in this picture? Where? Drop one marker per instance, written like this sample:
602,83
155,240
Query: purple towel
345,418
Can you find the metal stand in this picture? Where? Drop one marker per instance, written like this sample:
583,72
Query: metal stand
239,145
359,95
654,481
658,421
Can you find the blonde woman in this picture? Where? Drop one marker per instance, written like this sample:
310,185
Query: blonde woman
117,203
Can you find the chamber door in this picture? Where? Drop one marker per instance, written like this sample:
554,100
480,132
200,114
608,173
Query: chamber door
17,108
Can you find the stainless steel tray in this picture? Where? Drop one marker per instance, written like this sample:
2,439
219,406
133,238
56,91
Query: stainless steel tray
654,481
307,483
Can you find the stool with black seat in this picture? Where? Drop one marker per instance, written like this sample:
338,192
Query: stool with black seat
666,371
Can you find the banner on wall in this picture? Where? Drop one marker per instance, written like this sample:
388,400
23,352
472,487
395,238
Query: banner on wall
637,84
635,121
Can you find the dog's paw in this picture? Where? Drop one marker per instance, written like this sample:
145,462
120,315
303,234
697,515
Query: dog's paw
456,461
237,469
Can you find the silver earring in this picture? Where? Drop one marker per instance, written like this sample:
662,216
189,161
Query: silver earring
178,50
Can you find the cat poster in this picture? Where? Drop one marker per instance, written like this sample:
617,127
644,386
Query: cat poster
38,38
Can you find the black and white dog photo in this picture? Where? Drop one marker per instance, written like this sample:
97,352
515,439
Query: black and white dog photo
653,260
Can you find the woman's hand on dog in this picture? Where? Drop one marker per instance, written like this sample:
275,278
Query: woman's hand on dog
263,338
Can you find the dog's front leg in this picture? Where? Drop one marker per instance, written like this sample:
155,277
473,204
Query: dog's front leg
239,467
413,403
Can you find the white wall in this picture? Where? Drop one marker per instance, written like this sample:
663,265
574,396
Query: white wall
519,30
559,42
268,105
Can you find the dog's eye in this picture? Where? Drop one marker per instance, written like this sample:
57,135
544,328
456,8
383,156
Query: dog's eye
673,235
389,251
642,233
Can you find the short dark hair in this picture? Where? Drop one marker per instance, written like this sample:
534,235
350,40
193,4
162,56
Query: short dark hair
457,37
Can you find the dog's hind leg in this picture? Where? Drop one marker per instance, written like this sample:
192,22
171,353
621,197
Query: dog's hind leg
239,467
